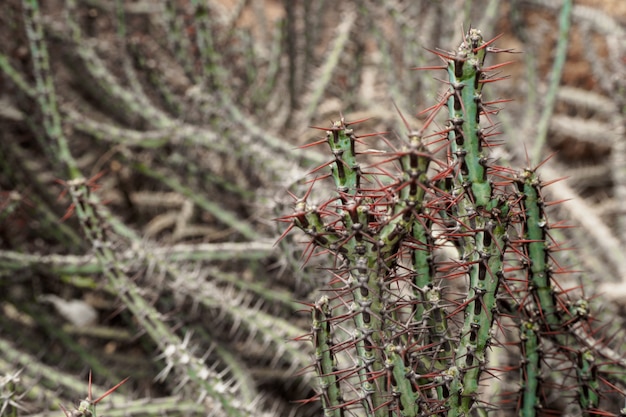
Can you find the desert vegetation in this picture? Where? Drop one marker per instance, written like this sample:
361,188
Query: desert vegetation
149,148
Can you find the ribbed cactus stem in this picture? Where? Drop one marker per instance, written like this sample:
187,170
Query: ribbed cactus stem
430,312
365,269
325,361
555,316
345,169
538,251
588,385
402,382
414,161
464,104
530,369
367,309
485,275
483,219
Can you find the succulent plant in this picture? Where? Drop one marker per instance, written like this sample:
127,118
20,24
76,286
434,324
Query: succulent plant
441,257
147,144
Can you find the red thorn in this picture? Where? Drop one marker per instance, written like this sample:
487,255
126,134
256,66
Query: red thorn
89,389
65,411
310,145
489,42
367,135
109,392
357,121
442,54
496,66
493,80
324,165
324,129
442,67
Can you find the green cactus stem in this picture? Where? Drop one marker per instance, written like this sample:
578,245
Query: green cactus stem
325,361
535,228
588,385
530,369
465,105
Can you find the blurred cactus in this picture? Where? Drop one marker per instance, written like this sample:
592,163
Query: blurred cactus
405,328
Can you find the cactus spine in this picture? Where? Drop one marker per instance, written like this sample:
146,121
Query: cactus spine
393,336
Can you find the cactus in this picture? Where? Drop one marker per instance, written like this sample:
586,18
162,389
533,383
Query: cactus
169,129
405,328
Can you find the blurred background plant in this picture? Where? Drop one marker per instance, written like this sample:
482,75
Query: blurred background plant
185,116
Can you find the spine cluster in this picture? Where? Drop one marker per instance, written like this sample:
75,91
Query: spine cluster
441,258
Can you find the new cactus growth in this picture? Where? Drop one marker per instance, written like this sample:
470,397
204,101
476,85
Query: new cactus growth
407,329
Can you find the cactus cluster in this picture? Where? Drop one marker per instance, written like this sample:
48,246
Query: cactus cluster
443,258
144,146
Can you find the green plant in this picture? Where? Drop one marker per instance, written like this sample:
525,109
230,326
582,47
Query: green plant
443,258
188,115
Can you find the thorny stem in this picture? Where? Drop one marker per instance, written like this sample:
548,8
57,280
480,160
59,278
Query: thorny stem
392,337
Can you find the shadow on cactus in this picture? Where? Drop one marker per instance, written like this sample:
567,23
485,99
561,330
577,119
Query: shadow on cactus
444,298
